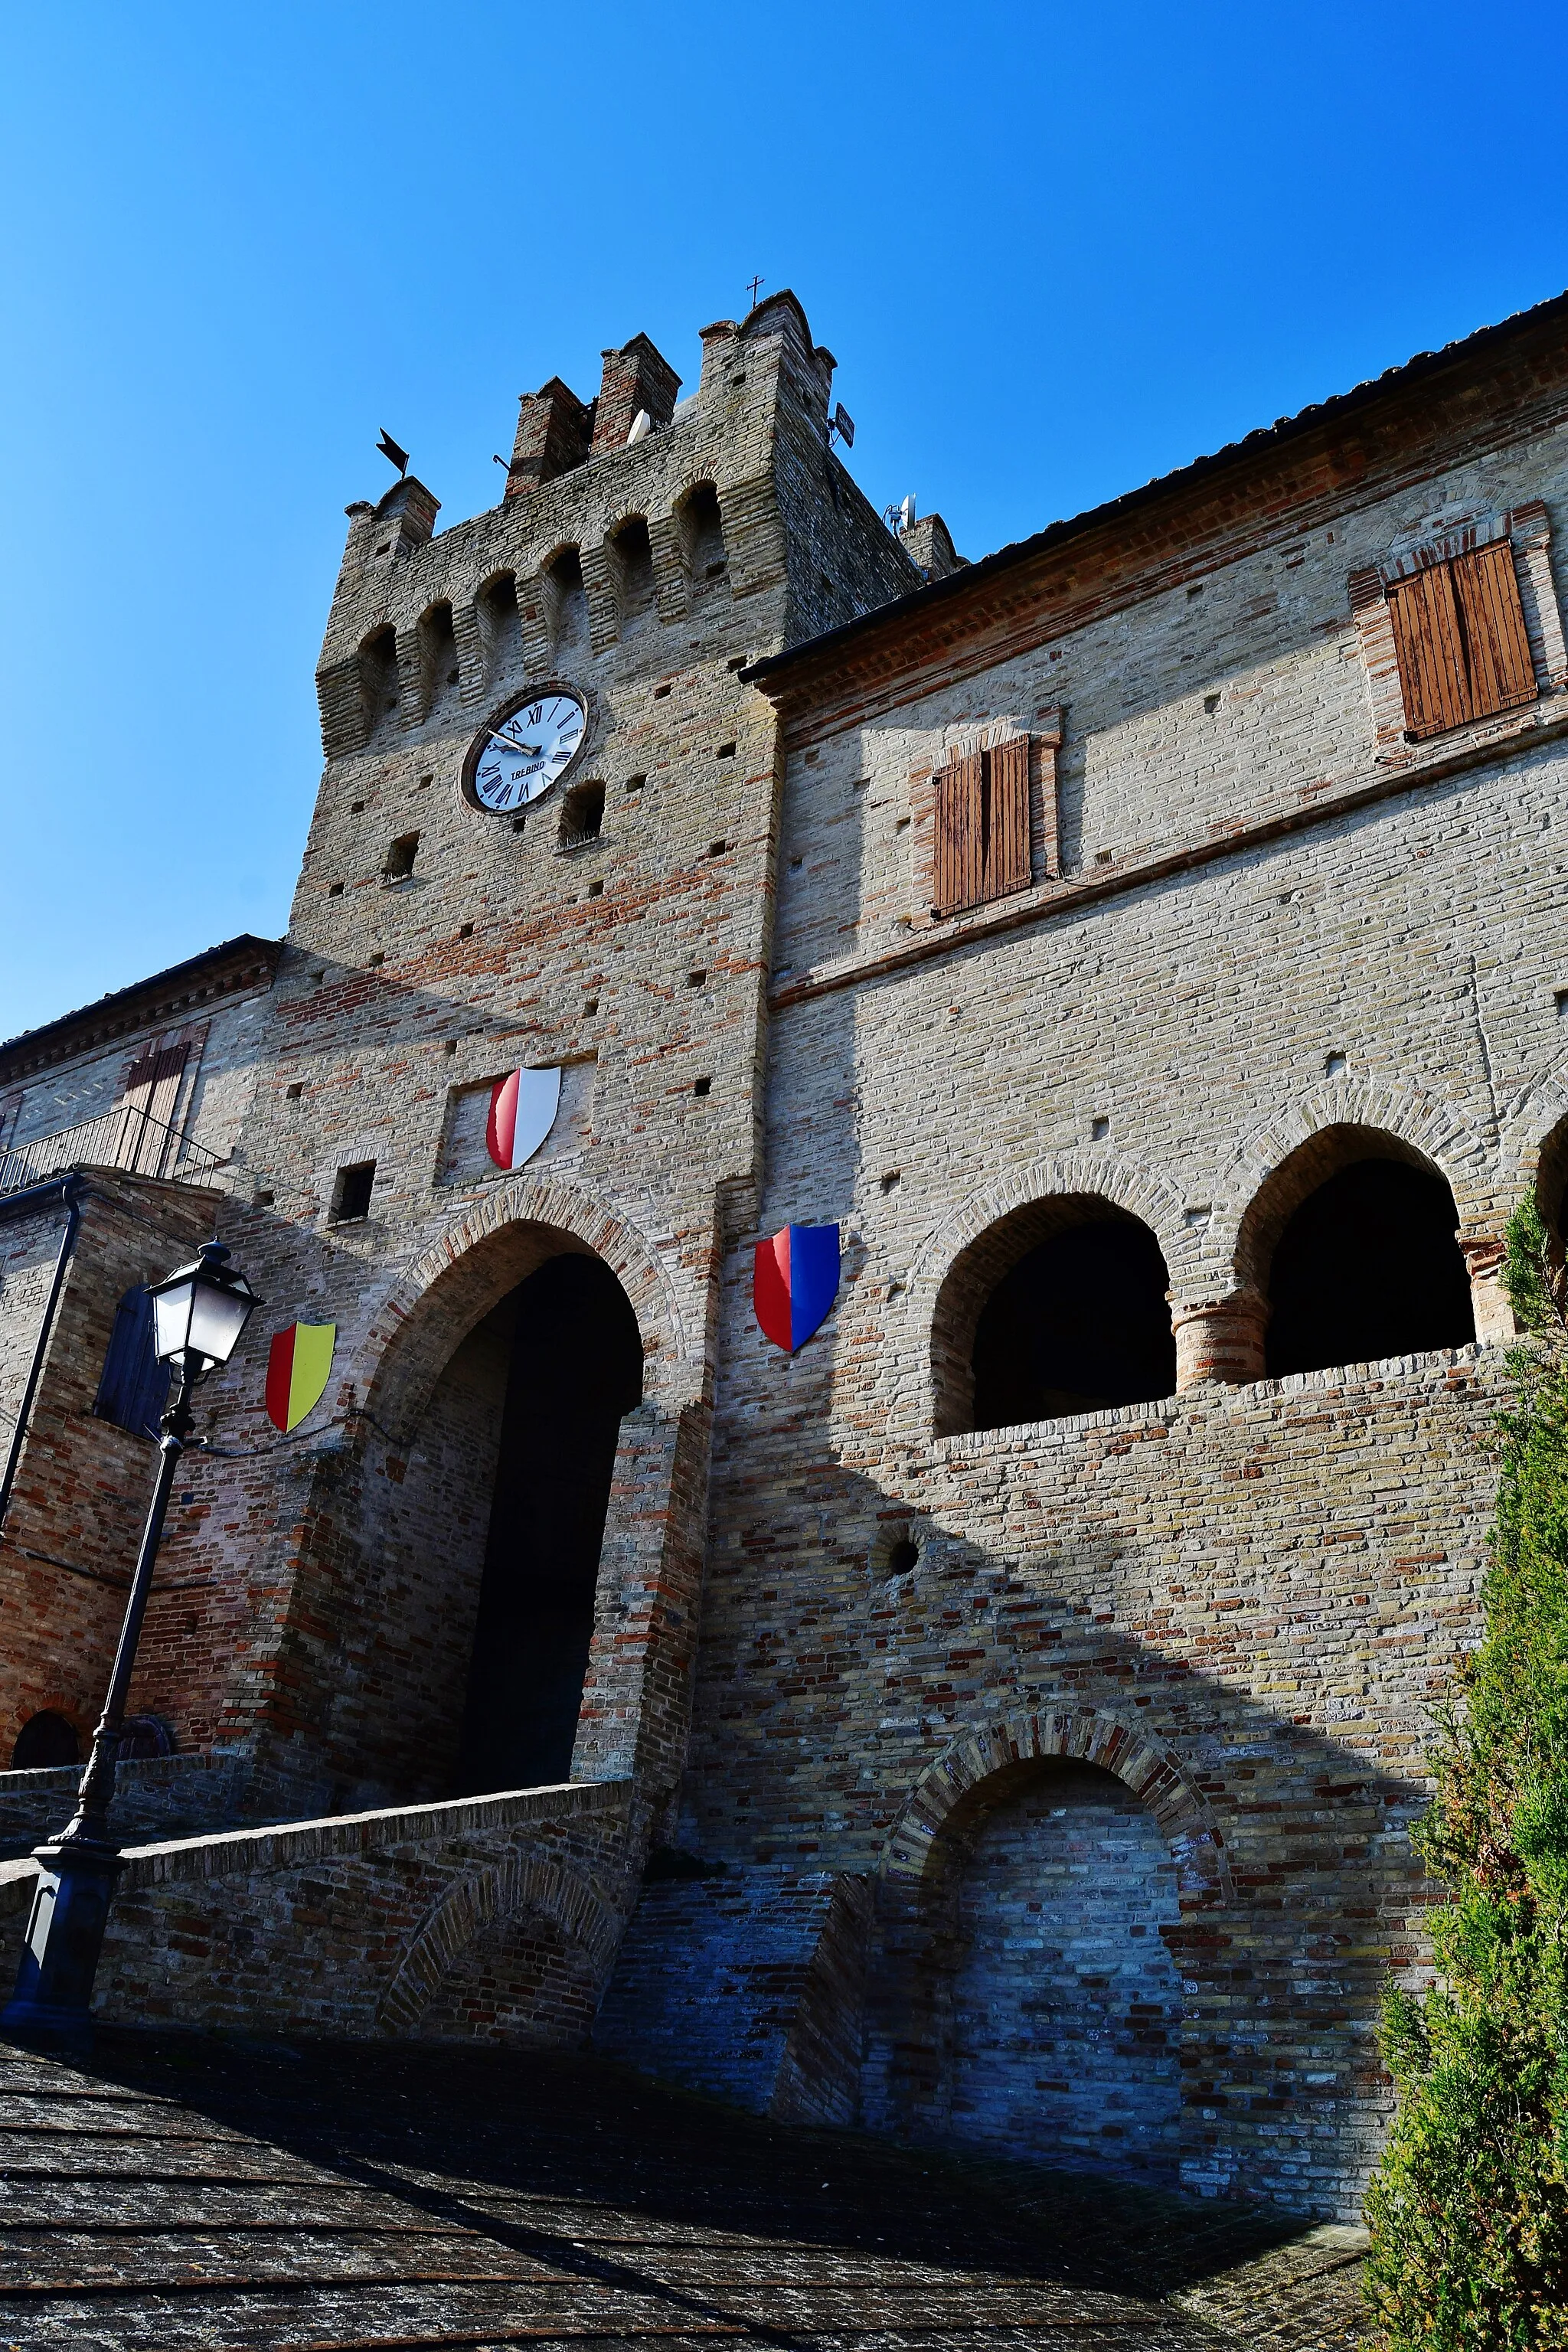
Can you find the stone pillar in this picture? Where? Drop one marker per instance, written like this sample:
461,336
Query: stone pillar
1219,1338
1484,1255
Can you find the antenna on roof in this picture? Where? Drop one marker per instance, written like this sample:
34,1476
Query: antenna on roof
843,423
898,519
392,453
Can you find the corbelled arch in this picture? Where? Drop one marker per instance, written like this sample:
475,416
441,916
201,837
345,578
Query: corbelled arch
500,1240
961,1261
520,1884
994,1752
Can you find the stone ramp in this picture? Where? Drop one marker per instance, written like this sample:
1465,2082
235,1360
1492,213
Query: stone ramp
185,2192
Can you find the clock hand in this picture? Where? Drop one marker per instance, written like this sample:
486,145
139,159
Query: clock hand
530,750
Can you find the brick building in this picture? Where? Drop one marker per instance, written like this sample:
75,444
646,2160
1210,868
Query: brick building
1000,1720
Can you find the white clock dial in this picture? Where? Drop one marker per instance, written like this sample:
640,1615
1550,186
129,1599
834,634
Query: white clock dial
527,752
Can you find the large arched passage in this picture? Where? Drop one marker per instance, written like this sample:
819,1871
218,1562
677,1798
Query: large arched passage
1358,1232
574,1368
1058,1307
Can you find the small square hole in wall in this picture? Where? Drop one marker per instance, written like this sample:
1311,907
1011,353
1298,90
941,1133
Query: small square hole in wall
890,1181
356,808
293,1092
451,1045
336,890
795,864
464,930
595,890
636,784
1103,857
400,857
659,692
717,848
739,661
317,977
591,1006
725,751
520,824
351,1193
1334,1067
812,758
902,825
1099,1129
695,979
426,782
379,956
703,1086
1196,1216
1559,998
1211,703
1197,591
260,1201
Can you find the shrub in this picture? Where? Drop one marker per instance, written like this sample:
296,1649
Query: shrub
1468,2209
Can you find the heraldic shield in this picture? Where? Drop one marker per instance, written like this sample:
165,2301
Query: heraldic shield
795,1282
299,1365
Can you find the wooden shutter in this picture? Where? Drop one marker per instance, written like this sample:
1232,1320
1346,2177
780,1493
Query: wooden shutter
135,1387
1486,587
1007,842
960,836
1429,644
151,1093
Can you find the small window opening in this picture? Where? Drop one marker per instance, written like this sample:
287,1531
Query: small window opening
1099,1130
1334,1067
581,814
351,1194
703,1086
725,751
596,890
400,857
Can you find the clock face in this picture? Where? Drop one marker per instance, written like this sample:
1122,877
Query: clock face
525,754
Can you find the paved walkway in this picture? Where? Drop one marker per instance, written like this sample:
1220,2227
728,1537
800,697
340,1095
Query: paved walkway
186,2193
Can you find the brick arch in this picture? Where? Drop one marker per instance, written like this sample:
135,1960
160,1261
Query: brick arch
1309,1140
1535,1145
500,1240
950,1788
960,1264
508,1889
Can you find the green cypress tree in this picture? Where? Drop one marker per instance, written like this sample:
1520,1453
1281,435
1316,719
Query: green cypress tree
1468,2209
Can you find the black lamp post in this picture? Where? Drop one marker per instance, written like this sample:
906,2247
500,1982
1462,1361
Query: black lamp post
198,1314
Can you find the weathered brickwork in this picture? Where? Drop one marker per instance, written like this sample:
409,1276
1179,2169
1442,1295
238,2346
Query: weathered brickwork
1046,1785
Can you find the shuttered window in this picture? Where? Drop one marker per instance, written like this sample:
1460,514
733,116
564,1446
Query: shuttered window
1459,635
135,1387
983,827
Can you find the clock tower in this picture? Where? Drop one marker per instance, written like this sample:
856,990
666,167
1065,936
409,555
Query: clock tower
542,861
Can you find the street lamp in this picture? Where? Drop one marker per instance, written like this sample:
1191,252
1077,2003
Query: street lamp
198,1314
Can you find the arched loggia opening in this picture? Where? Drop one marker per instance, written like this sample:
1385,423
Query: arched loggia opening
1059,1307
575,1368
1357,1231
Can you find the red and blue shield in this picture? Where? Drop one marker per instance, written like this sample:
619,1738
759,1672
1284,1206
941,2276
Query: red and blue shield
795,1281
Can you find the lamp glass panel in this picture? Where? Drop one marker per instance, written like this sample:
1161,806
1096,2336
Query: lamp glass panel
171,1318
217,1319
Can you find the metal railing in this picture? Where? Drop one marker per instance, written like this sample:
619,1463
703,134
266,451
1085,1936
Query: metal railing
125,1138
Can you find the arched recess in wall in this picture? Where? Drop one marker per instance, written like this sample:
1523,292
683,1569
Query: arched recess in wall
378,678
500,626
565,602
700,526
438,672
1059,1307
1039,1895
1353,1241
631,571
518,1952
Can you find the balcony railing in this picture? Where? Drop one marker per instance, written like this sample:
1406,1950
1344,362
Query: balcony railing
125,1139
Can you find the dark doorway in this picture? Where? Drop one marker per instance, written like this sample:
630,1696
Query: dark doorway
1368,1268
45,1740
576,1367
1081,1323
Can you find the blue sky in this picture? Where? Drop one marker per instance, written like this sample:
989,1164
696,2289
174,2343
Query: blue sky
1057,251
